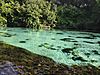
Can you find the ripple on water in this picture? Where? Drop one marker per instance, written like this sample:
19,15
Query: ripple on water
67,47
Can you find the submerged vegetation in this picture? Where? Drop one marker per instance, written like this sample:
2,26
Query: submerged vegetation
67,14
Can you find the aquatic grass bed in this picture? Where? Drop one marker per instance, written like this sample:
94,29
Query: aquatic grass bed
68,47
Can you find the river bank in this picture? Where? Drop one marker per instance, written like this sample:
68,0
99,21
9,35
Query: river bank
33,64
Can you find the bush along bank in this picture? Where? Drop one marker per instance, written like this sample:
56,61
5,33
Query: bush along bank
18,61
27,13
79,15
67,14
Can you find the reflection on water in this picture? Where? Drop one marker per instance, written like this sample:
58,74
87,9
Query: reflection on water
68,47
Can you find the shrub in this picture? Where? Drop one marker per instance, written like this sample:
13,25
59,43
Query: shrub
31,13
39,13
6,7
68,15
3,22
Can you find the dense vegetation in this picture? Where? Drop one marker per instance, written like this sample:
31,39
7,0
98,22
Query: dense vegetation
27,13
79,14
74,14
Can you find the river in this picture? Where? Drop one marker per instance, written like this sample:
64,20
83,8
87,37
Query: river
67,47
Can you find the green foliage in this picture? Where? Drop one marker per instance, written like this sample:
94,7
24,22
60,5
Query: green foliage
40,13
5,9
3,22
98,1
68,15
95,17
32,13
87,17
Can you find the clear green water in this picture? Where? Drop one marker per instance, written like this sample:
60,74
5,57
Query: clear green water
68,47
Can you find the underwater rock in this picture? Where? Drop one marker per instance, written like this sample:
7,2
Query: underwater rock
53,48
67,39
97,36
93,61
92,35
76,44
59,46
89,42
87,54
60,33
88,37
95,52
53,38
26,39
6,34
46,45
79,58
74,41
22,41
69,36
40,45
74,54
67,50
99,42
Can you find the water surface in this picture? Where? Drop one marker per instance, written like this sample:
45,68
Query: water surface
68,47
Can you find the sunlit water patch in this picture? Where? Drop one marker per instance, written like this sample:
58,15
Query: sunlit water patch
68,47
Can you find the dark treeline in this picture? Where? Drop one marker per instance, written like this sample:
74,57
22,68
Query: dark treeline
63,14
78,14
